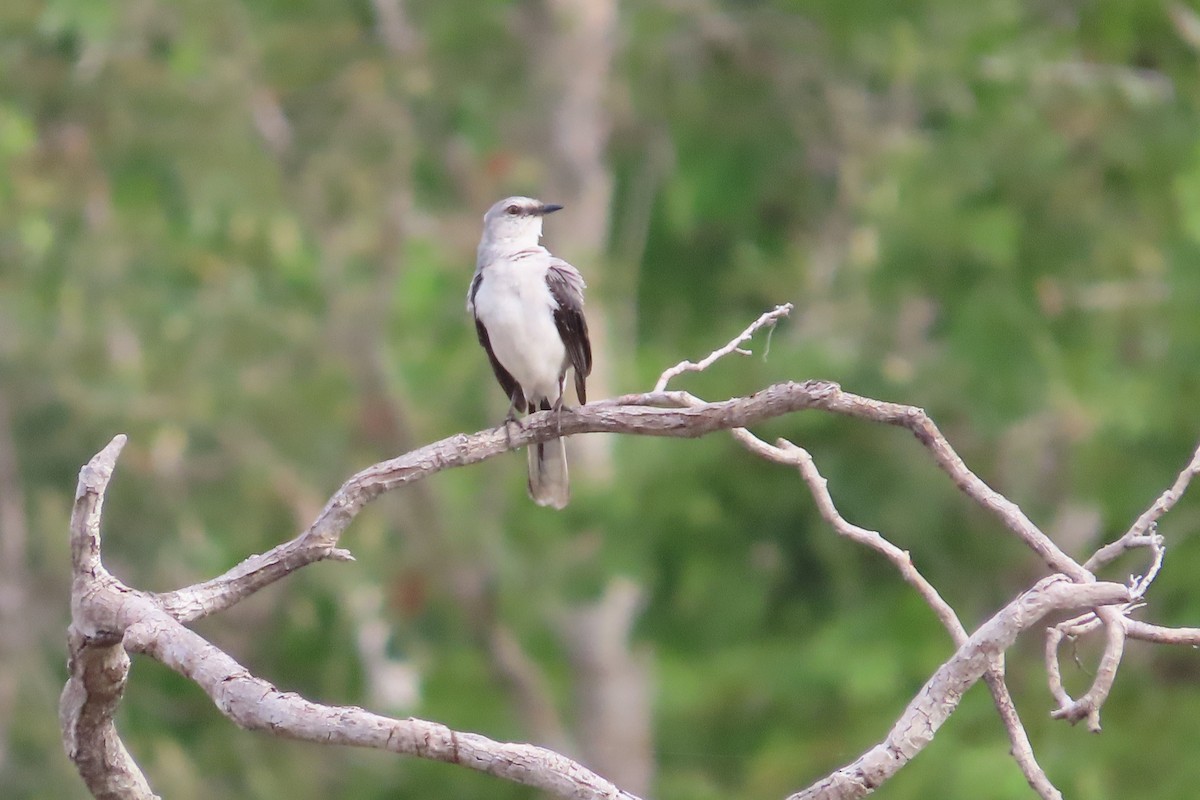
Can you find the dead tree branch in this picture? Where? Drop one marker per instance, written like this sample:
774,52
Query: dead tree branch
735,346
787,453
940,695
111,620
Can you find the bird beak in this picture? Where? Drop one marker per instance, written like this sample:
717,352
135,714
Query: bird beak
549,208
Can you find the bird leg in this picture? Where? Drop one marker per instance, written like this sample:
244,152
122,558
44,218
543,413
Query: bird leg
511,416
558,404
517,399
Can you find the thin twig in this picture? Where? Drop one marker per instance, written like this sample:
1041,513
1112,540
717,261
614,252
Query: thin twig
1142,531
1160,634
734,346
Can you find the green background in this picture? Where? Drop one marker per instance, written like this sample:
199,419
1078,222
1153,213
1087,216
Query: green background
242,232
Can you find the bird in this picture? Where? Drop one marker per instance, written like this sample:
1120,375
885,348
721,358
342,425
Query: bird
528,310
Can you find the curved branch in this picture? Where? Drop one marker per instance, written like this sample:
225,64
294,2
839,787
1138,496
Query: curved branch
97,662
786,452
941,694
918,422
254,704
109,620
734,346
319,541
631,414
1089,705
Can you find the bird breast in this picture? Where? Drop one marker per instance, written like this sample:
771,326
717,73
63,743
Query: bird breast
515,305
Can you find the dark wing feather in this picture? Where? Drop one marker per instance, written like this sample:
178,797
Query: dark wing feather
566,287
507,382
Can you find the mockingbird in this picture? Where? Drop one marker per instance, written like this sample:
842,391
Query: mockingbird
528,310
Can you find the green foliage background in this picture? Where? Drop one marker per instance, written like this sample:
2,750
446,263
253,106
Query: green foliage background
988,209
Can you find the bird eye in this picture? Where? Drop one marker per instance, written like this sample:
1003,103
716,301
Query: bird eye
512,211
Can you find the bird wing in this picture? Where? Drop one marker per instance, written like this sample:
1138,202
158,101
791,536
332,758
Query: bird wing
508,383
566,287
471,292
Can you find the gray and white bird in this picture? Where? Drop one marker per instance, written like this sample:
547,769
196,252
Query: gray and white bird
528,311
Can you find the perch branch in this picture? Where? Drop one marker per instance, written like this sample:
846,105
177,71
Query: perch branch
319,541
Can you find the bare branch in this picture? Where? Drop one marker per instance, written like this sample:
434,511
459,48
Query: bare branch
927,433
941,694
1111,551
1144,631
1022,751
1143,533
109,619
916,421
98,664
1089,705
786,452
872,539
254,704
1140,584
319,541
85,528
734,346
99,667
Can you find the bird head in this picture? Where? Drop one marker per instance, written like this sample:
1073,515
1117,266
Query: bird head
516,221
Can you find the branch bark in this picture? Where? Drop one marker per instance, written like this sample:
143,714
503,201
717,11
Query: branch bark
98,664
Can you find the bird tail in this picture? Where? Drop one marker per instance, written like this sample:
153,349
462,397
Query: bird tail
548,484
548,481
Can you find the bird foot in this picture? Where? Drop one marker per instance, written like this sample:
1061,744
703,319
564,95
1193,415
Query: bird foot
511,419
